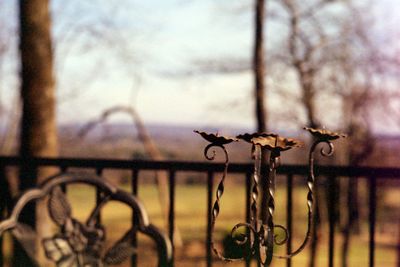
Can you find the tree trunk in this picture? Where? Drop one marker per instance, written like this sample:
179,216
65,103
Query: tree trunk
308,95
258,66
259,96
305,73
38,137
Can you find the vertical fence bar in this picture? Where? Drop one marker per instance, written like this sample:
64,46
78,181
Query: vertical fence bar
249,184
331,219
398,245
1,251
289,216
372,219
210,189
29,172
63,186
134,190
248,196
99,195
171,213
3,204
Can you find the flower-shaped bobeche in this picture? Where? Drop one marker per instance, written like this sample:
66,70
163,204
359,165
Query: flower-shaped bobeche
248,137
324,135
276,143
216,139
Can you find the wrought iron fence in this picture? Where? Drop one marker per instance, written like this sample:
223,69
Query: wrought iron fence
373,176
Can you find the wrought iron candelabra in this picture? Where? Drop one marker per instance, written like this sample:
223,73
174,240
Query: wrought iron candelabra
260,236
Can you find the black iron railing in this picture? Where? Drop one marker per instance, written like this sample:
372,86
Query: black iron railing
373,176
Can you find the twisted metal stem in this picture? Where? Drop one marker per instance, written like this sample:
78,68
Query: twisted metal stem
262,236
254,189
310,193
270,238
271,192
219,193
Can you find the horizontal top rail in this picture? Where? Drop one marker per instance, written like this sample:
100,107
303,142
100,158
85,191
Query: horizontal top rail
329,170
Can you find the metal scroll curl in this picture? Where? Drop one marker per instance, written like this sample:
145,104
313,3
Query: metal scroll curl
310,193
245,238
82,244
278,239
217,141
218,195
261,236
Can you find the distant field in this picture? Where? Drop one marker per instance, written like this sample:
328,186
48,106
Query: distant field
119,140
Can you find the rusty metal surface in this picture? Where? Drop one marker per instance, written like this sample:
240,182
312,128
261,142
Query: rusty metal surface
260,237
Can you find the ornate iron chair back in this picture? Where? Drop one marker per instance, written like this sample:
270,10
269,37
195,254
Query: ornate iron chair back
82,244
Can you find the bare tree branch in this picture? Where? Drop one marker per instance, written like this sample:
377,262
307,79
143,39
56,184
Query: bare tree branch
150,148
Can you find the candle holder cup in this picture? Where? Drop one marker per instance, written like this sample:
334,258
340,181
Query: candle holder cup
260,236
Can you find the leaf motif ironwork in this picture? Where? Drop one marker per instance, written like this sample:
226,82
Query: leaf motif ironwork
79,244
59,207
59,250
120,252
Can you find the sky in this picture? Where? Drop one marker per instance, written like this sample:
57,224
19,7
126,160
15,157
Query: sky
167,38
142,53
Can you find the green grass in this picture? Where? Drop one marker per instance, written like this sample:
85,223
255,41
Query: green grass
191,216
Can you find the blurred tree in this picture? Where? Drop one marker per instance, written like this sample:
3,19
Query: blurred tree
259,66
38,137
339,61
260,88
366,68
151,149
299,53
325,58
